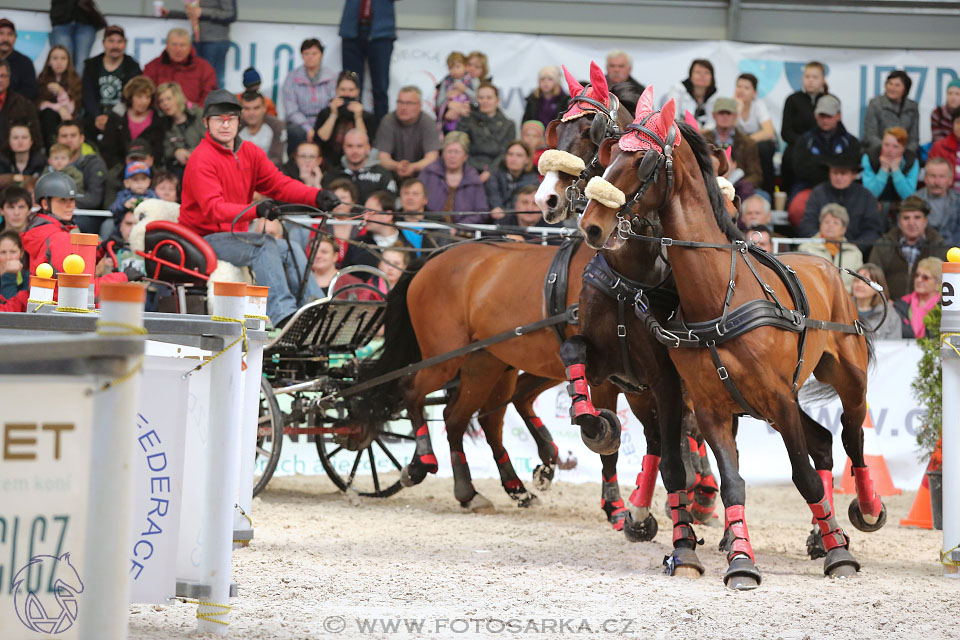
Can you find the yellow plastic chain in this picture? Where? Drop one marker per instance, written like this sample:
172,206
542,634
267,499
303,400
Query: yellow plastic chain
40,303
945,558
212,615
123,329
944,341
76,310
242,338
251,316
249,519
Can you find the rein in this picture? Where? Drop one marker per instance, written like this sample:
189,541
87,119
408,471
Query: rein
604,126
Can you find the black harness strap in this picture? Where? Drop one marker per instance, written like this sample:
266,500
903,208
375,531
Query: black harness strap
556,283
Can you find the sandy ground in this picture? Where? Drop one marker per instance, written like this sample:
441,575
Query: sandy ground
322,565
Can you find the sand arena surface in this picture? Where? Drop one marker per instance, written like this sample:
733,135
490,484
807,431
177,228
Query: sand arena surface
320,558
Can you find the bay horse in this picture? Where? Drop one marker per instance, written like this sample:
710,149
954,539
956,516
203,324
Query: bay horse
745,325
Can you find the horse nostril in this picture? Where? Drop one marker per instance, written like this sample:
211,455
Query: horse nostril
552,201
593,232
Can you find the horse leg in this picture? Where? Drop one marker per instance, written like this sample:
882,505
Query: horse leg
610,500
839,561
528,388
599,429
491,420
820,443
415,391
639,525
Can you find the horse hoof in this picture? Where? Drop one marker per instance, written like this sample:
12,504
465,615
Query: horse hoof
683,563
526,499
412,474
543,476
479,504
742,574
815,548
606,425
864,521
840,563
643,530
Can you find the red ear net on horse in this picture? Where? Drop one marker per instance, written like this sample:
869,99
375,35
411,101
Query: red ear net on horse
649,125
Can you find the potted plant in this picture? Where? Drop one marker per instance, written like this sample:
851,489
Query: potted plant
927,387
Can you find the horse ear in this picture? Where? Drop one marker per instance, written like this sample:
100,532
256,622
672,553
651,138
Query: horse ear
606,148
690,120
598,81
551,134
667,116
645,103
723,164
575,87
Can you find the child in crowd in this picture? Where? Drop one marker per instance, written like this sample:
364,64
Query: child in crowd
165,185
13,280
16,203
59,160
117,246
533,134
136,187
455,92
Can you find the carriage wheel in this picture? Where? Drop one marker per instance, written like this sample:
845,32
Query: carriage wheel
269,437
374,471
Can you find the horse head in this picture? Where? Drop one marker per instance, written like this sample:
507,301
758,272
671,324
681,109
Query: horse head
640,164
573,140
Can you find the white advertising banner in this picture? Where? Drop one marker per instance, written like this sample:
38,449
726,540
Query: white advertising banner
47,431
419,58
763,458
158,473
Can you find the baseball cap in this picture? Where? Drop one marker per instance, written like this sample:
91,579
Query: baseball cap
721,105
5,22
139,148
135,168
828,105
114,30
251,77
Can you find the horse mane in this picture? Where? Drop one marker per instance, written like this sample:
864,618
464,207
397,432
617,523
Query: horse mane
701,151
627,94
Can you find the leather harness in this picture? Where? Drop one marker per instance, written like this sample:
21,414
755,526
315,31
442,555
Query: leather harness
557,281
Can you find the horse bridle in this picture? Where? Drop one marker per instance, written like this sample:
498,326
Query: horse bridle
604,126
648,172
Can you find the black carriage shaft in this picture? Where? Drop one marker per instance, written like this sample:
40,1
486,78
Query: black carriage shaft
567,316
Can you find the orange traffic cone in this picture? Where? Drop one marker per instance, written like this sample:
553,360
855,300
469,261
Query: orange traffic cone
882,482
920,515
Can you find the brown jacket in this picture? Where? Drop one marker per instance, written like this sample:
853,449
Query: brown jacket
745,153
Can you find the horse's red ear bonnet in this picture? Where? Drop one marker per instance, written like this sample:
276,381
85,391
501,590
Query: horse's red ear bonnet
596,90
651,129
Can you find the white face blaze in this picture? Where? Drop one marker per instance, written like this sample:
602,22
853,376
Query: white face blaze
547,188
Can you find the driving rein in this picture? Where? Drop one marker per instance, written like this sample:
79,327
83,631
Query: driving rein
604,126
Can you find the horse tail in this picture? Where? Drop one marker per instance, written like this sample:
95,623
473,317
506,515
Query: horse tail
400,348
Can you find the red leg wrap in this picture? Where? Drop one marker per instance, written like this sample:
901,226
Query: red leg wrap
680,514
536,422
702,449
737,524
513,485
458,455
826,476
866,496
833,535
642,496
505,458
579,391
423,430
424,453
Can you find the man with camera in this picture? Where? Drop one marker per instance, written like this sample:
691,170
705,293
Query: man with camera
344,114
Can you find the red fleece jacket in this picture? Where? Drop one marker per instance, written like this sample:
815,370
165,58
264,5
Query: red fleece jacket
16,303
195,75
218,184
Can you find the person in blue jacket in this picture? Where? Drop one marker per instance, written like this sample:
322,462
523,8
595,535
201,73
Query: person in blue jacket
890,172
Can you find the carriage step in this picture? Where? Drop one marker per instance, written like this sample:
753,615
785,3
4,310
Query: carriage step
196,590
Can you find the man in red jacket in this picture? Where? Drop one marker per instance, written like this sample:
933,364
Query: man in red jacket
949,149
219,181
180,63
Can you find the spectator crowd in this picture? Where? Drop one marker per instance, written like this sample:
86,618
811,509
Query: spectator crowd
886,205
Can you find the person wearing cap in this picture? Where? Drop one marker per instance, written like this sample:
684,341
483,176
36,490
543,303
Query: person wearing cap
105,76
139,150
745,155
263,130
344,113
252,82
840,188
948,148
941,119
901,248
47,238
136,187
211,29
23,75
180,63
219,182
828,139
893,109
306,91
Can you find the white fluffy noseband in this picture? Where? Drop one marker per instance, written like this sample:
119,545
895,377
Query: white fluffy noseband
726,188
562,161
605,193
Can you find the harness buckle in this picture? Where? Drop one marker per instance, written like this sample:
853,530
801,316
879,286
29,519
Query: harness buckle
859,326
518,331
621,331
666,242
722,372
718,330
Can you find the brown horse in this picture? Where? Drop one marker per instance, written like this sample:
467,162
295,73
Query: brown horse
666,170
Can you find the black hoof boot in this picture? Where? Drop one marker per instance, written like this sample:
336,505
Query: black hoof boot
642,531
605,426
858,520
543,476
840,563
742,574
413,474
683,562
815,548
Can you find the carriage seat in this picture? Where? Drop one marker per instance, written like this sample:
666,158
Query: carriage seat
173,253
